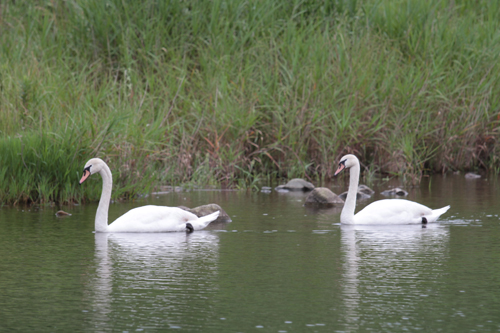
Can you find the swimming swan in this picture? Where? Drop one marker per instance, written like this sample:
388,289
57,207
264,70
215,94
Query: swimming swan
387,211
140,219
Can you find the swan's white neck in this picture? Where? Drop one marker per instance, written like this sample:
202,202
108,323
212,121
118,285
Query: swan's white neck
101,217
347,215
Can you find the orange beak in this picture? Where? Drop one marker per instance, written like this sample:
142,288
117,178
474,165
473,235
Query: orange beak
340,168
86,174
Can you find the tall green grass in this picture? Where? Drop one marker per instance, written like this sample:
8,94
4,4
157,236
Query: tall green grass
237,91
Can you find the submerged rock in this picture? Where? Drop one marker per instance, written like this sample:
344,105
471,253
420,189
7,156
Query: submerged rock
359,196
266,189
209,209
296,184
471,175
395,191
61,213
322,196
168,189
366,190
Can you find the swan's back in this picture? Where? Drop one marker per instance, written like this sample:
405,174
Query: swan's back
156,219
397,211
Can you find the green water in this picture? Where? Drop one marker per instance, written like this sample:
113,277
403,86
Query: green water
278,267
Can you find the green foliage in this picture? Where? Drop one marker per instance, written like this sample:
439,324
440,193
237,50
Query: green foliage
38,168
234,91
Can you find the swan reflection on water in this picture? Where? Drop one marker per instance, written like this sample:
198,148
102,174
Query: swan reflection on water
147,274
390,267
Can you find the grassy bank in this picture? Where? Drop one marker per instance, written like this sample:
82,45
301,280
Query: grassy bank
233,92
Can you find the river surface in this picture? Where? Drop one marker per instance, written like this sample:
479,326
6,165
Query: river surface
278,267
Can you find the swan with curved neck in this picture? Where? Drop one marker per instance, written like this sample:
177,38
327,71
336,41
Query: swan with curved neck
387,211
140,219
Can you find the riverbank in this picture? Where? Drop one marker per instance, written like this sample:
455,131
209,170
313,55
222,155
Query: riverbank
218,92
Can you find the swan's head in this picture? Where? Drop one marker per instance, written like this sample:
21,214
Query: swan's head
346,162
94,165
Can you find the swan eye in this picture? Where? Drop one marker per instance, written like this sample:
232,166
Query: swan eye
87,169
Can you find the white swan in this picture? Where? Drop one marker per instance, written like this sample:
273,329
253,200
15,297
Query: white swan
140,219
387,211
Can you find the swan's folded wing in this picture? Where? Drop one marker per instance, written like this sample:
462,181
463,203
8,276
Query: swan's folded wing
152,219
392,211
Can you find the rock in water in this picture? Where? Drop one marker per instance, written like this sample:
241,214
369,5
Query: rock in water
209,209
395,191
366,190
266,189
359,196
470,175
322,196
296,184
61,213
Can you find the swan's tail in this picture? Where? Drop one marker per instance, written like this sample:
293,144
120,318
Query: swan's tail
203,221
436,213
